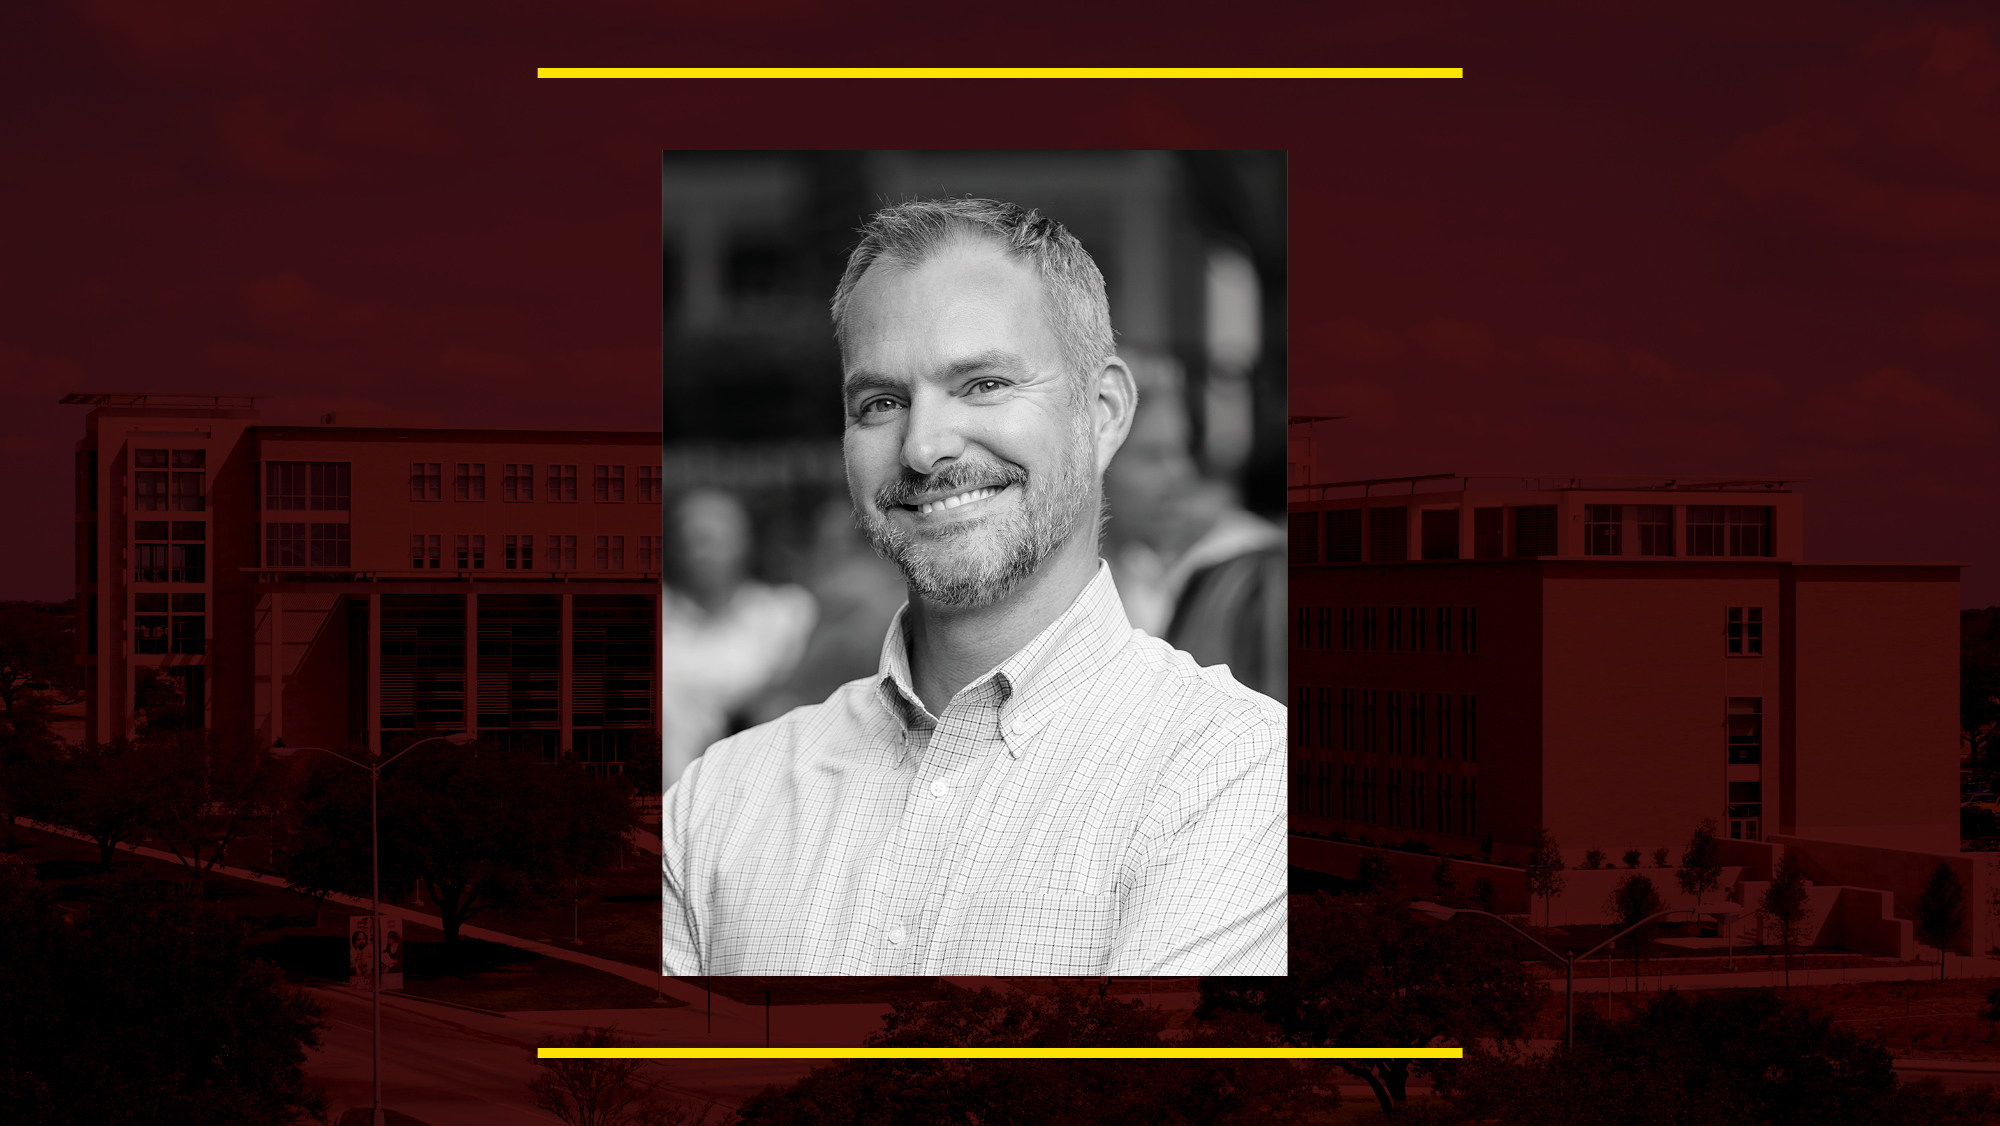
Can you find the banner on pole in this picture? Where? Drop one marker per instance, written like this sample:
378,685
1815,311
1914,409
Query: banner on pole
361,951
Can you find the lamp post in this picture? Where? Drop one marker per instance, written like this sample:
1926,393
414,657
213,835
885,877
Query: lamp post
1440,912
374,768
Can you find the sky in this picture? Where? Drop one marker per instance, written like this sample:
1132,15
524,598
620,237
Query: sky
1711,241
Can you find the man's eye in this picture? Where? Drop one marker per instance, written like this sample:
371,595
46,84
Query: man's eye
879,405
986,386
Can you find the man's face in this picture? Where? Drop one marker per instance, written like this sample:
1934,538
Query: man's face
969,448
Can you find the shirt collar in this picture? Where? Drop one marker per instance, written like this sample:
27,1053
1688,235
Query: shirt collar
1038,676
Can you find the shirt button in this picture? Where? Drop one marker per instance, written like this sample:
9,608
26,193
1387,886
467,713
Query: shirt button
938,788
896,935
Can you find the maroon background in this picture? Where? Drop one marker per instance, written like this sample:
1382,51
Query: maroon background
1711,242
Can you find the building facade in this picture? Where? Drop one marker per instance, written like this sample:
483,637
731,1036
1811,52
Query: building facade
1613,659
377,575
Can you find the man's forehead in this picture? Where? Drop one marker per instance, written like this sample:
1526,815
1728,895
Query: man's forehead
968,307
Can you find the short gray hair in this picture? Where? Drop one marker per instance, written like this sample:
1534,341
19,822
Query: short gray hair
906,234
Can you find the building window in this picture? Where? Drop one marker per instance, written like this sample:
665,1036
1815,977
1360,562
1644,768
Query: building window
1746,809
1743,631
1444,725
426,480
649,553
1347,627
1439,533
149,563
190,459
1418,638
1347,792
1395,624
649,483
1468,629
1444,804
1343,536
1468,727
192,530
562,482
187,602
149,634
1347,742
610,483
149,480
1656,528
1444,629
1301,620
472,553
517,481
1302,539
284,545
424,551
520,553
1745,723
329,545
284,485
188,495
1488,534
1325,627
149,603
329,486
189,635
1394,715
1707,525
1417,800
1601,525
1750,530
611,553
190,563
470,483
1534,531
149,529
1395,796
562,553
1468,807
1368,628
1417,714
1388,534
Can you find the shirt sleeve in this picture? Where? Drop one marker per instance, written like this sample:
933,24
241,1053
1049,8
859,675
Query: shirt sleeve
1209,898
680,929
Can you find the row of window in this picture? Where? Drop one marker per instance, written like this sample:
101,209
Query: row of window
517,482
1391,721
169,480
518,553
1439,803
157,633
1726,530
163,563
1420,629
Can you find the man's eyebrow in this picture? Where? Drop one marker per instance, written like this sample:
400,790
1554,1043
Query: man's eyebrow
862,381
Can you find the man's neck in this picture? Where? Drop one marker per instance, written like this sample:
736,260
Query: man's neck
949,648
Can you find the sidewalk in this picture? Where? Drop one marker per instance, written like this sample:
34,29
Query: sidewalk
1958,967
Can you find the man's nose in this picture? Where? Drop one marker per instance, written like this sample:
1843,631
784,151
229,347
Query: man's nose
933,434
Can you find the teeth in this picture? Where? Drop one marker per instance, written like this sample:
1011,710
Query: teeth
955,500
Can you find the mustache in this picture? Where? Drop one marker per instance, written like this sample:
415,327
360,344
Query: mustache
954,478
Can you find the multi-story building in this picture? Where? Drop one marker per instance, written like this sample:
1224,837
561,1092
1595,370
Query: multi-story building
1613,659
378,574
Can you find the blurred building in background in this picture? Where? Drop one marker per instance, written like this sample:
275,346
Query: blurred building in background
1192,248
338,585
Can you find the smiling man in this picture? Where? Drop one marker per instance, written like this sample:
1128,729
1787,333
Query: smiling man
1028,785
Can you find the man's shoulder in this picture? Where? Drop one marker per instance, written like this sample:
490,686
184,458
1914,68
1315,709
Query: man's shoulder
1201,698
779,744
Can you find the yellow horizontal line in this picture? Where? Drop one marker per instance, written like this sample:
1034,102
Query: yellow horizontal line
1000,72
997,1053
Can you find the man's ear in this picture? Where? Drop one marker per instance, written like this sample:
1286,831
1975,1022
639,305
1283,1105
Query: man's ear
1114,401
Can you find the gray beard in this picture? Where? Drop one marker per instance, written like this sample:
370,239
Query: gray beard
979,563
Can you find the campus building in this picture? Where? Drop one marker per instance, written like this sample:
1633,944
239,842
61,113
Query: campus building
1614,659
376,575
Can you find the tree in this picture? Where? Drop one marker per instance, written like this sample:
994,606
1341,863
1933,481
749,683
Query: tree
1631,858
1049,1092
1544,876
605,1092
141,998
157,697
1660,856
1374,873
1734,1058
1444,883
1990,1013
203,792
1701,862
1633,899
1784,904
1369,971
1593,859
1940,914
34,653
479,827
28,750
102,791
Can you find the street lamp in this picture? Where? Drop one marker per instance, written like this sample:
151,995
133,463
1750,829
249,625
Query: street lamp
374,768
1442,913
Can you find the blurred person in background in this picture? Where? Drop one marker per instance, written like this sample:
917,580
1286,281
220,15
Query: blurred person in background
1194,567
858,593
725,638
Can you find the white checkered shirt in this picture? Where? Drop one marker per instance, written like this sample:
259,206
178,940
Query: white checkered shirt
1096,805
